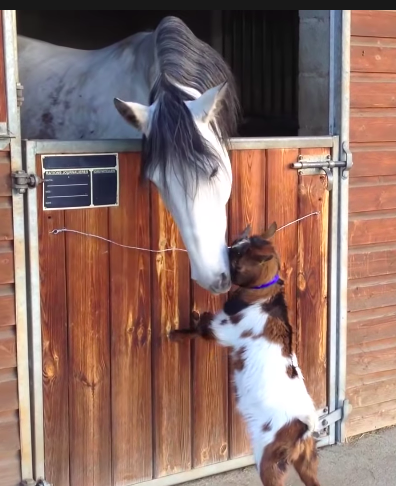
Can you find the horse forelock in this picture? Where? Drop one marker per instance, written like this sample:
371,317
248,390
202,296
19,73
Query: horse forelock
174,144
174,141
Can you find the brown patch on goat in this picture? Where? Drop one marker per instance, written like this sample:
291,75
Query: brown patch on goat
278,328
291,372
247,334
289,448
233,389
276,332
236,318
238,360
306,464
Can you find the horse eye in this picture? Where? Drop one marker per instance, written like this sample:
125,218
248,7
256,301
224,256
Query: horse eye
215,171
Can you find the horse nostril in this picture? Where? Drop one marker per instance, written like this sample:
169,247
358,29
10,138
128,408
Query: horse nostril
225,279
222,284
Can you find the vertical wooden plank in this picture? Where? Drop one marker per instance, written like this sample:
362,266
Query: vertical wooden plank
170,362
89,348
8,390
10,468
9,432
6,230
248,198
312,281
7,306
6,262
54,330
210,390
130,328
5,174
247,206
282,184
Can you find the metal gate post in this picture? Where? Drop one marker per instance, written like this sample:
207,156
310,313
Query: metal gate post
13,128
343,221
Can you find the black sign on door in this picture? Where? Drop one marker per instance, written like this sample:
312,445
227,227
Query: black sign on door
80,181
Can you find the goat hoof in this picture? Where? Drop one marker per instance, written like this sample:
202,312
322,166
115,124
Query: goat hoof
206,317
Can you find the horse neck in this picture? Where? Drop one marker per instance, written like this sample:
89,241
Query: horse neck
135,56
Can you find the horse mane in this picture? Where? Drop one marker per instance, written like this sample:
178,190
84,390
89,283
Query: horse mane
174,140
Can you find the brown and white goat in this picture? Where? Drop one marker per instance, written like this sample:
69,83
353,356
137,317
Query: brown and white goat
271,394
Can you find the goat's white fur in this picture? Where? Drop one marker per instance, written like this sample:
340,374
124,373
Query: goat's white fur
265,392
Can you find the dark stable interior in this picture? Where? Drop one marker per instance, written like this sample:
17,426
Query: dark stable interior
261,46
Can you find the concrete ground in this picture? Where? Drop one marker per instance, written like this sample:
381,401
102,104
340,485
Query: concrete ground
366,461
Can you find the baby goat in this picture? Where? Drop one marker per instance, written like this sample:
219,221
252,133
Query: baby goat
270,390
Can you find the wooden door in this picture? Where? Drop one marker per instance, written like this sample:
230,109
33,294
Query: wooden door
122,404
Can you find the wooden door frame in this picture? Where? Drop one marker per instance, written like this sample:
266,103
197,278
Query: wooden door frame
33,148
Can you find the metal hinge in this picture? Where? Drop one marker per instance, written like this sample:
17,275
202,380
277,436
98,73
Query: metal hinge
19,90
21,181
317,164
326,419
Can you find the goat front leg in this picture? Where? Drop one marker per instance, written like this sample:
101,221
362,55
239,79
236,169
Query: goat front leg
200,326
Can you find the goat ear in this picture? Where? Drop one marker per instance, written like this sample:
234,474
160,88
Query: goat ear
269,233
245,233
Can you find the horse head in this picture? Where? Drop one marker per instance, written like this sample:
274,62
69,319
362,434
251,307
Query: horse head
189,164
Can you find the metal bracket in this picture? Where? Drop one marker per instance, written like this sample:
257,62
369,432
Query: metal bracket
21,181
317,164
32,482
326,419
19,90
348,160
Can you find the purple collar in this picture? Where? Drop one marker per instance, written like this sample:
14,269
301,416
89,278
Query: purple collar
268,284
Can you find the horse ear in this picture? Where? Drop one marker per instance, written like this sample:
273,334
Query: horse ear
134,113
269,233
206,107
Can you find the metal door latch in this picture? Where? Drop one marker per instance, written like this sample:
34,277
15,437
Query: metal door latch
21,181
19,90
317,164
